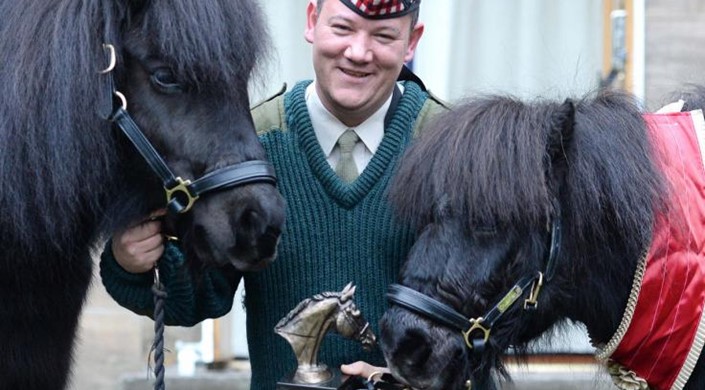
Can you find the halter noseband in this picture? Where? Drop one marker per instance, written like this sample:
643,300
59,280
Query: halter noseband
181,194
430,308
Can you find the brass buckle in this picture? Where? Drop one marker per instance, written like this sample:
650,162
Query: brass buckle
531,302
476,325
181,187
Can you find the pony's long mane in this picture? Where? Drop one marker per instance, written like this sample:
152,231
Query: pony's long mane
486,160
59,158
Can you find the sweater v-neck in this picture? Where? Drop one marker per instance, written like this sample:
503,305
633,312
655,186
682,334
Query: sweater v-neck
396,135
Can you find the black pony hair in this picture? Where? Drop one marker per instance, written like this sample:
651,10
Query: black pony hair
694,97
203,44
54,142
486,161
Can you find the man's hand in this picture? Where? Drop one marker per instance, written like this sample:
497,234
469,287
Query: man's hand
363,370
138,247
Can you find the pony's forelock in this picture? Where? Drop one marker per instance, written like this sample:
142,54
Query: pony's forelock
486,161
481,159
207,48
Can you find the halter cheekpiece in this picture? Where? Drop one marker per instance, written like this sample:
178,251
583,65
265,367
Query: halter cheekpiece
181,194
476,331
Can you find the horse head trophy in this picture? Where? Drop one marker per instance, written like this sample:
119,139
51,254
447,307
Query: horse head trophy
305,327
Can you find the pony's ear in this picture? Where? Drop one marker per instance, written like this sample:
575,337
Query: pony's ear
561,132
559,143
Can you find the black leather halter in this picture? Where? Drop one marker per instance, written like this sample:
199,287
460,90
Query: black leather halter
430,308
181,194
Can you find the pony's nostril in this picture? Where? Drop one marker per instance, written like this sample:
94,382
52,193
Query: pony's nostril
200,243
258,224
272,232
199,233
249,219
248,226
415,350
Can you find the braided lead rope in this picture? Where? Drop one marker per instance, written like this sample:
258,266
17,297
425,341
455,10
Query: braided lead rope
160,294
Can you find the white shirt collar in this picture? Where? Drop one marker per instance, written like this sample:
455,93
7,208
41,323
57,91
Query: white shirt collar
328,128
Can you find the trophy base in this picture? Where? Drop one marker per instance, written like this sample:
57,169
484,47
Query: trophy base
337,382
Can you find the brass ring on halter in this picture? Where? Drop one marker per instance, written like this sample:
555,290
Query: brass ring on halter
113,58
182,187
369,378
123,99
476,325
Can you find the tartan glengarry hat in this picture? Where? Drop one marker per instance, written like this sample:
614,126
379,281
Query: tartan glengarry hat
382,9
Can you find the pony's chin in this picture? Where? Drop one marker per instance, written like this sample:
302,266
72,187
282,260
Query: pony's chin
257,257
422,355
244,258
218,243
249,258
438,382
252,265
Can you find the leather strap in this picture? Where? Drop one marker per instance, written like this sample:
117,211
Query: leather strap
556,238
446,315
128,126
254,171
180,194
430,308
419,303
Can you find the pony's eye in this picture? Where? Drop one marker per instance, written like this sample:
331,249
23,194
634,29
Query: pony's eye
164,81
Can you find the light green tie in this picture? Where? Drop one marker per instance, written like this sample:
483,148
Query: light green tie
346,168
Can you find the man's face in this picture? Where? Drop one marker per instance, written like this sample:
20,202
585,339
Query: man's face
357,60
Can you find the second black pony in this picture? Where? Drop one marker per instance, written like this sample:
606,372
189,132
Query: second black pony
180,69
534,213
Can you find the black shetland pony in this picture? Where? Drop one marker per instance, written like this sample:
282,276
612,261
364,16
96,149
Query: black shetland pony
549,202
70,177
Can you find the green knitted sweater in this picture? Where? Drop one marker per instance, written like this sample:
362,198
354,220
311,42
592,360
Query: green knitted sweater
336,233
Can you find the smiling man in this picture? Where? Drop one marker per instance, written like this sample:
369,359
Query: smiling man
335,143
358,52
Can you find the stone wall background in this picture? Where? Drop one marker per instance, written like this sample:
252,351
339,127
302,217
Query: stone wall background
675,47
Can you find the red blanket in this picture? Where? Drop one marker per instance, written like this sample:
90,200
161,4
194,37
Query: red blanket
664,331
